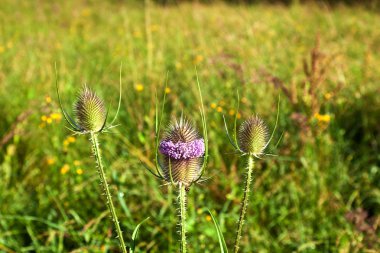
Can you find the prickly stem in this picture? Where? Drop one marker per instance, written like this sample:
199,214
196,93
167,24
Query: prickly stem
107,193
244,204
182,203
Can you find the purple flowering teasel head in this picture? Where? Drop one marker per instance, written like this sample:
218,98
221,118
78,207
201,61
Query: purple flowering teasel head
182,148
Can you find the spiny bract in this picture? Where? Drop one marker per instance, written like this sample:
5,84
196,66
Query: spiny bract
182,148
253,136
90,111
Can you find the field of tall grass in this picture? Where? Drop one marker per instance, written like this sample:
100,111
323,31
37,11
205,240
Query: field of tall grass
320,193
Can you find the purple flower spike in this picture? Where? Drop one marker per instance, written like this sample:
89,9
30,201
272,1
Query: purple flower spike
183,150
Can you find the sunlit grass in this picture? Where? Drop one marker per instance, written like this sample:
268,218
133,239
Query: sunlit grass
327,166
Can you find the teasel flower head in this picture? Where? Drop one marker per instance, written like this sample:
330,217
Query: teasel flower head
182,148
90,118
90,111
181,154
251,140
253,136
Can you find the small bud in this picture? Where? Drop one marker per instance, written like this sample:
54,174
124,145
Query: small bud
183,149
253,136
90,111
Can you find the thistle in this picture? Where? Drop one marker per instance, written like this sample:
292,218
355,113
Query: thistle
90,112
253,136
251,140
91,117
184,155
182,149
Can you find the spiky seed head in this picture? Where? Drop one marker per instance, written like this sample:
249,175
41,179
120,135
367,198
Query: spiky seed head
253,136
90,111
182,148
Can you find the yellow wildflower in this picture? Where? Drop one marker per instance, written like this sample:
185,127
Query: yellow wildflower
154,28
137,34
56,116
219,109
67,141
11,150
244,100
208,218
50,160
328,96
65,168
178,65
2,49
44,118
86,12
238,115
231,112
322,118
49,120
79,171
198,59
213,105
48,99
139,87
77,163
167,90
71,139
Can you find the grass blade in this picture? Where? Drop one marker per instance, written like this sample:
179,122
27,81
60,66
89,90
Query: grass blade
222,242
135,234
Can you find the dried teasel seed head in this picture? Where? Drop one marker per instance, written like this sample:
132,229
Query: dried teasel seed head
90,111
253,136
182,148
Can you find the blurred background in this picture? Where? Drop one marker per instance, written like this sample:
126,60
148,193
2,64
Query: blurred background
319,194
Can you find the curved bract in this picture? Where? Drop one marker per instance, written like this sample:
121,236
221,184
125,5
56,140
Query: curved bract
90,111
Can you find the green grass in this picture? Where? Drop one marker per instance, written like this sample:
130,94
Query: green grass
302,199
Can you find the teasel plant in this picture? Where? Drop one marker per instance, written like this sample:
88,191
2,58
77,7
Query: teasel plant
183,159
250,140
91,119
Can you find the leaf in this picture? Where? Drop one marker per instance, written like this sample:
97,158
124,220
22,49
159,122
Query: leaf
222,242
135,234
120,197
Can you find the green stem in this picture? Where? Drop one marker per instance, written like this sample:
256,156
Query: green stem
102,175
244,205
170,200
182,202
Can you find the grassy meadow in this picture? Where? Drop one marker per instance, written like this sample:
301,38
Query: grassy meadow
319,194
